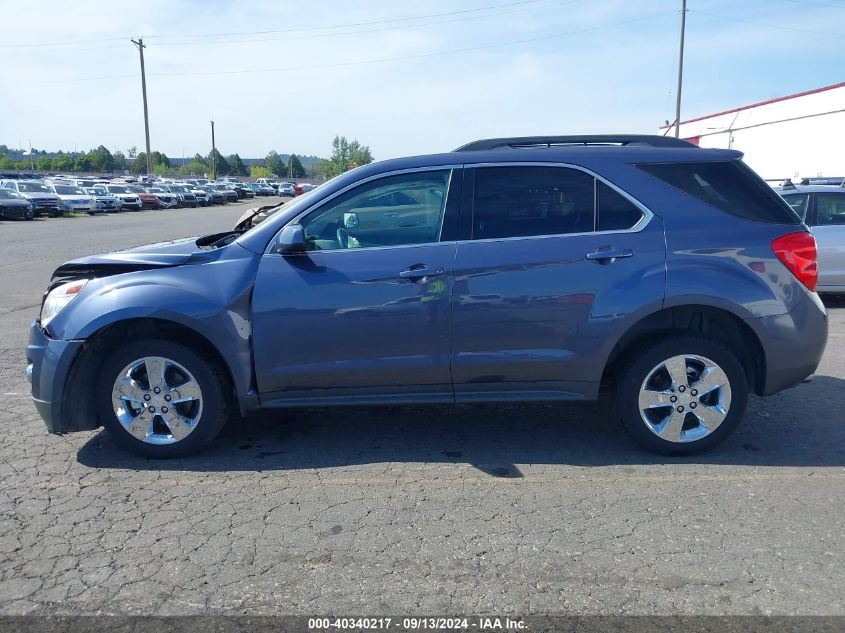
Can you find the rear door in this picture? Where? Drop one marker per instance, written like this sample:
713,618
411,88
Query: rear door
554,262
828,227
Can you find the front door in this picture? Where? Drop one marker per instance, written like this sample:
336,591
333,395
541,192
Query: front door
363,315
555,262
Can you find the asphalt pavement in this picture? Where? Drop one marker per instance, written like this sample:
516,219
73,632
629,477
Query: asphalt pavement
520,509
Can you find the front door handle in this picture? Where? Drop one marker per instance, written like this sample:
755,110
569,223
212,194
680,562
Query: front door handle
420,271
609,255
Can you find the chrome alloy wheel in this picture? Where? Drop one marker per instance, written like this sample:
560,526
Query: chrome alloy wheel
157,400
685,398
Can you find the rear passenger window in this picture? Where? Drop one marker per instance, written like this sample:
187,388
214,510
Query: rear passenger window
830,209
615,211
725,185
525,201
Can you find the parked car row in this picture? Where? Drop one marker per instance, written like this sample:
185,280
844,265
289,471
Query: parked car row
26,198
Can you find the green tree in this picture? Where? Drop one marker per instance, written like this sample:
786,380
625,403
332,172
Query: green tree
44,163
101,159
81,163
258,171
295,168
159,163
194,167
63,162
221,166
160,159
139,163
347,155
199,158
119,161
6,163
237,165
275,164
132,152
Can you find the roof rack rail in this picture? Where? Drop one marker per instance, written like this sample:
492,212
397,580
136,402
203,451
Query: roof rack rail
639,140
824,180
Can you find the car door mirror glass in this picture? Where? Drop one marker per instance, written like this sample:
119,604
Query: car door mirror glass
350,220
291,240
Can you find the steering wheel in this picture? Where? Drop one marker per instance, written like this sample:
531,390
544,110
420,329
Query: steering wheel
342,236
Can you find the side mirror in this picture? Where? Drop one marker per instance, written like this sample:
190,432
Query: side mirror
291,240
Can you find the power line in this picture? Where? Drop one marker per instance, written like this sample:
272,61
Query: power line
771,26
368,61
817,4
43,44
204,42
355,24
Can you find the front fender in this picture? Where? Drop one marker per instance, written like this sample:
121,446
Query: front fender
212,298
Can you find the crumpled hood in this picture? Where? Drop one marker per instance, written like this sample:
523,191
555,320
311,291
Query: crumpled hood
159,255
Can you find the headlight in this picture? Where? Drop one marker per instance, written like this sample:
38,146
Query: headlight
58,298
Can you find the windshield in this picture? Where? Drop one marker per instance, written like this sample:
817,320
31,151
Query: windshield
117,189
296,205
66,190
6,194
136,190
32,187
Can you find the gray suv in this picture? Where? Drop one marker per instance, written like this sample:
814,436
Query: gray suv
668,276
822,207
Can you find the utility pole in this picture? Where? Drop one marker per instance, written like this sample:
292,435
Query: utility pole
213,155
680,70
140,46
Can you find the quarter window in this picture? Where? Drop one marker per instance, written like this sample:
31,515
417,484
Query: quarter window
393,211
615,211
727,185
830,209
525,201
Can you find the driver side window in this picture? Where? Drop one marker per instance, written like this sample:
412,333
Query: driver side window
393,211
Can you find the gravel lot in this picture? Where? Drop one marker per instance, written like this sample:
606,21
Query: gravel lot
517,509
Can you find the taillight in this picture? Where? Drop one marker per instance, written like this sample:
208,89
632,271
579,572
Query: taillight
797,251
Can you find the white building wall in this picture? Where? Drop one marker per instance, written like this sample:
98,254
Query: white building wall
796,137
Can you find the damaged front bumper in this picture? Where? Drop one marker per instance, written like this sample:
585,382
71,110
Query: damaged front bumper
48,365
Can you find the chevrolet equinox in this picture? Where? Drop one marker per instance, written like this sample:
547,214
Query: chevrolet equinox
669,276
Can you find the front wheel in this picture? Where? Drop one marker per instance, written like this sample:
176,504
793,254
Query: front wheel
161,399
682,395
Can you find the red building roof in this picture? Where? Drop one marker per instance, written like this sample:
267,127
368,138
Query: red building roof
759,103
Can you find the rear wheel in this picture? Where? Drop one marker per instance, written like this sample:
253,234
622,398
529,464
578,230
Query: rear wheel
683,395
161,399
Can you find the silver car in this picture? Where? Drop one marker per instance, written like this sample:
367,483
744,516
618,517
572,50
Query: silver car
822,207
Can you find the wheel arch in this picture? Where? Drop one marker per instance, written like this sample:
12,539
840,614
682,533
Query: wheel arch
704,320
78,410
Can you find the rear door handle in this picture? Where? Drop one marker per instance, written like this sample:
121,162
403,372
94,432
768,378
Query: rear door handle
420,272
609,255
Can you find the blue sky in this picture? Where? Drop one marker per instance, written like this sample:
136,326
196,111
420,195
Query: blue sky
404,78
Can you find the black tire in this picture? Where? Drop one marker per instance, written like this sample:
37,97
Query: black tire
212,381
637,366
